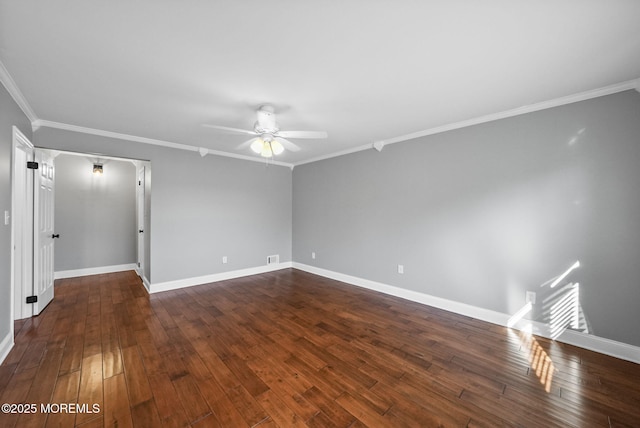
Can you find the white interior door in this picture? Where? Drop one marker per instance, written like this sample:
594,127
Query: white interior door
21,226
140,211
43,235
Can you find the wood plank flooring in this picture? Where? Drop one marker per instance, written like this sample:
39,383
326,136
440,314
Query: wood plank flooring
290,349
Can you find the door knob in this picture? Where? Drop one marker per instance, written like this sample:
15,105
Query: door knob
55,235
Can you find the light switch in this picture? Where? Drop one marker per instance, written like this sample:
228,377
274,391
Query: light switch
7,216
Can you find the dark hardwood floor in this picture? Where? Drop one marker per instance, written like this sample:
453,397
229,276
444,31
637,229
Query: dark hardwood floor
292,349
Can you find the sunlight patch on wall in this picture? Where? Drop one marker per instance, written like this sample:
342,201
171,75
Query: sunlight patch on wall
564,309
559,279
560,308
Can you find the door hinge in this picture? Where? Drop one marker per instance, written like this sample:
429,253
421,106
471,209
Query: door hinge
32,299
32,165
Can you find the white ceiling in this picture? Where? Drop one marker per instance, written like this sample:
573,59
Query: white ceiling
361,70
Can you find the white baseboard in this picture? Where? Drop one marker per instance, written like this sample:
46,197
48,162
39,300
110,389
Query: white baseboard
6,345
188,282
587,341
93,271
438,302
145,281
146,284
602,345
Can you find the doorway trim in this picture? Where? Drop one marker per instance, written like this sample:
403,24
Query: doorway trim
140,217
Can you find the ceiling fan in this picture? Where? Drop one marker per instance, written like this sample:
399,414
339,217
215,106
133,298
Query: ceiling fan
268,139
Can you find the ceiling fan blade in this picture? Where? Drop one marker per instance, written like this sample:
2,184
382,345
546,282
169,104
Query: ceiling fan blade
303,134
287,144
246,143
226,128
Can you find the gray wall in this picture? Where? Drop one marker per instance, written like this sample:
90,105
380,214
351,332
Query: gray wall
480,215
201,208
94,215
10,115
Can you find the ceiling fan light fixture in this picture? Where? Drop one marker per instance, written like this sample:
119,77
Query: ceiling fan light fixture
276,147
266,150
257,146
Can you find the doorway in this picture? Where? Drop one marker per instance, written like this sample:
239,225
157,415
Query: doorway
99,205
32,226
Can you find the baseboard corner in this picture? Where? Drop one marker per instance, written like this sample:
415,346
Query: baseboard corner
6,345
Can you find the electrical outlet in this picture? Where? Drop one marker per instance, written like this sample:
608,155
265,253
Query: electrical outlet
530,296
313,255
224,259
400,268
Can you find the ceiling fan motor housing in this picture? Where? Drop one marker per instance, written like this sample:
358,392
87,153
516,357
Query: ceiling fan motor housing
266,120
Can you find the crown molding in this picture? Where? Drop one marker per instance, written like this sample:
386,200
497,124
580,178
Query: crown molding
36,123
556,102
108,134
14,91
336,154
